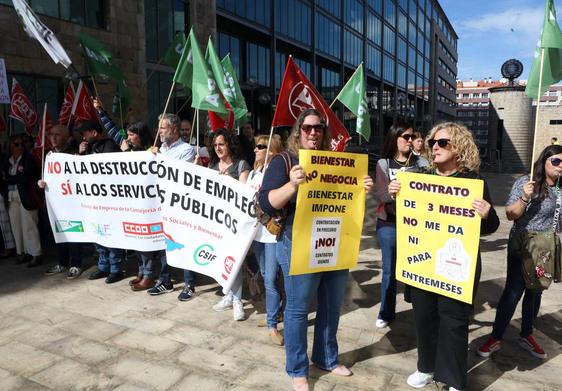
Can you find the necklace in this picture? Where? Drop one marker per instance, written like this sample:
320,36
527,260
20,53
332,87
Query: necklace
400,163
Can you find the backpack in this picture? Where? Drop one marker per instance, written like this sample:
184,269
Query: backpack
274,224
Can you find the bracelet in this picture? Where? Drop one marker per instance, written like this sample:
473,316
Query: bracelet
523,200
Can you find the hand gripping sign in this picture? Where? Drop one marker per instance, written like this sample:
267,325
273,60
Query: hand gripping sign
438,233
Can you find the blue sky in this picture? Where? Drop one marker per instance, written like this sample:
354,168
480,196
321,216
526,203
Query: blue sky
493,31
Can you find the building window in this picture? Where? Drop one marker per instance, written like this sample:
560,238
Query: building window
329,83
556,122
376,5
332,6
327,35
401,76
354,15
353,49
402,24
413,10
258,11
292,18
389,39
374,60
88,13
281,64
374,28
162,20
390,12
388,69
257,64
402,50
229,44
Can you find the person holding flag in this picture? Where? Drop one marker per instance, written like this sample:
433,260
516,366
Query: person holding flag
278,192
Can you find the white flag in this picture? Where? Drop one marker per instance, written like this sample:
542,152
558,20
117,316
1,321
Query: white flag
36,29
4,91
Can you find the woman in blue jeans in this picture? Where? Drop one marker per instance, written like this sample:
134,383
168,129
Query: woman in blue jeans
264,242
279,191
532,206
397,155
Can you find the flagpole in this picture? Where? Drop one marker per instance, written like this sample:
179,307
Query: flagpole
43,140
182,106
537,116
121,112
266,163
165,109
197,141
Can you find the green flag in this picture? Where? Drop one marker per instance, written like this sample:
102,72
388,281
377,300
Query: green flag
354,96
184,70
173,54
233,89
121,99
551,43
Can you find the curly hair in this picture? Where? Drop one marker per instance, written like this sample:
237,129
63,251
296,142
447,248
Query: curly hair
232,142
539,176
275,148
463,145
294,140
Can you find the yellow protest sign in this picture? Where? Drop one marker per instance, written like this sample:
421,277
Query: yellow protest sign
438,233
330,210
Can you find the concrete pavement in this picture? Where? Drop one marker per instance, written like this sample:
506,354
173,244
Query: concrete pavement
58,334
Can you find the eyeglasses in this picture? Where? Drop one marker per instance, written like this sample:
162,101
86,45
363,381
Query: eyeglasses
318,127
407,137
261,146
442,142
17,144
555,161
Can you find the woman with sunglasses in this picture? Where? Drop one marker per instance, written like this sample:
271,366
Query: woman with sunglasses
225,158
265,242
441,323
279,191
397,155
531,206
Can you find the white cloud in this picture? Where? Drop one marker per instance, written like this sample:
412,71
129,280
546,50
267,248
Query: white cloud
523,23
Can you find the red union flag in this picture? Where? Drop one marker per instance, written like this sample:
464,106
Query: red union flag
298,94
83,107
43,139
2,124
66,108
21,108
220,121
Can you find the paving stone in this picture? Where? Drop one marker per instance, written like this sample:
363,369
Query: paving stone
146,343
92,328
41,335
84,350
22,359
202,381
12,326
71,375
206,360
216,340
147,323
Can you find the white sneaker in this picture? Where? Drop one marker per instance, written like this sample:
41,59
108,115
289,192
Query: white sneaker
381,323
419,379
224,304
73,272
238,310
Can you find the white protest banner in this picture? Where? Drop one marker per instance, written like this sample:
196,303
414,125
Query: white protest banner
209,220
111,199
4,90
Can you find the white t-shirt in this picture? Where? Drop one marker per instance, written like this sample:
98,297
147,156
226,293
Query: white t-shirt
255,179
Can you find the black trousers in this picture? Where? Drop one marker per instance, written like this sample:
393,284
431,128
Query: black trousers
69,254
442,332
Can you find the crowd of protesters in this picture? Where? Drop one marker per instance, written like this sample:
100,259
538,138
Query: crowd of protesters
440,323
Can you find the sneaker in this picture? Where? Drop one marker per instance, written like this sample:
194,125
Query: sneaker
532,346
381,323
449,388
160,288
55,270
238,310
224,304
73,272
419,379
187,293
490,346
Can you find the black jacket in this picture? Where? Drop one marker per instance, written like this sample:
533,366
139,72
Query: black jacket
26,176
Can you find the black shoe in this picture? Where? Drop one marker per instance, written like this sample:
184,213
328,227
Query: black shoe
97,275
114,277
160,288
187,293
35,261
24,259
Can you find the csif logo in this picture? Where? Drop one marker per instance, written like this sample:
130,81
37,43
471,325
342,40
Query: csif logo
204,255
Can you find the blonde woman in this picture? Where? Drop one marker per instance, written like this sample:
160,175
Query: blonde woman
265,242
441,323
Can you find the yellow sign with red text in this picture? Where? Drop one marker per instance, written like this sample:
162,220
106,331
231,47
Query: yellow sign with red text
438,233
330,211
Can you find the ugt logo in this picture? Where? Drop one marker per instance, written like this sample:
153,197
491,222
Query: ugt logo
302,98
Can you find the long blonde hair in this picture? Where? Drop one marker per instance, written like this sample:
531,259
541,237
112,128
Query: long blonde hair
462,143
294,140
275,148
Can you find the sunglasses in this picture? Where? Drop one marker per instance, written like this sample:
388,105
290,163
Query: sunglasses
407,137
442,142
555,161
307,128
261,146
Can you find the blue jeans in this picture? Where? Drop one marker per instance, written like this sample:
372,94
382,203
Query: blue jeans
110,260
386,234
265,254
188,275
329,289
514,289
146,262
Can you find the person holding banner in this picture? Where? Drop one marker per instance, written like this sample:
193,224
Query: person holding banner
278,192
225,158
532,206
441,323
397,155
264,243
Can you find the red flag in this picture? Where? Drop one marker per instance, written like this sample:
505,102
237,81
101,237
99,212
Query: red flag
66,108
83,107
2,124
217,121
21,108
298,94
44,130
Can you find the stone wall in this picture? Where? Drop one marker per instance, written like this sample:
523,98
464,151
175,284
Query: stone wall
546,130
